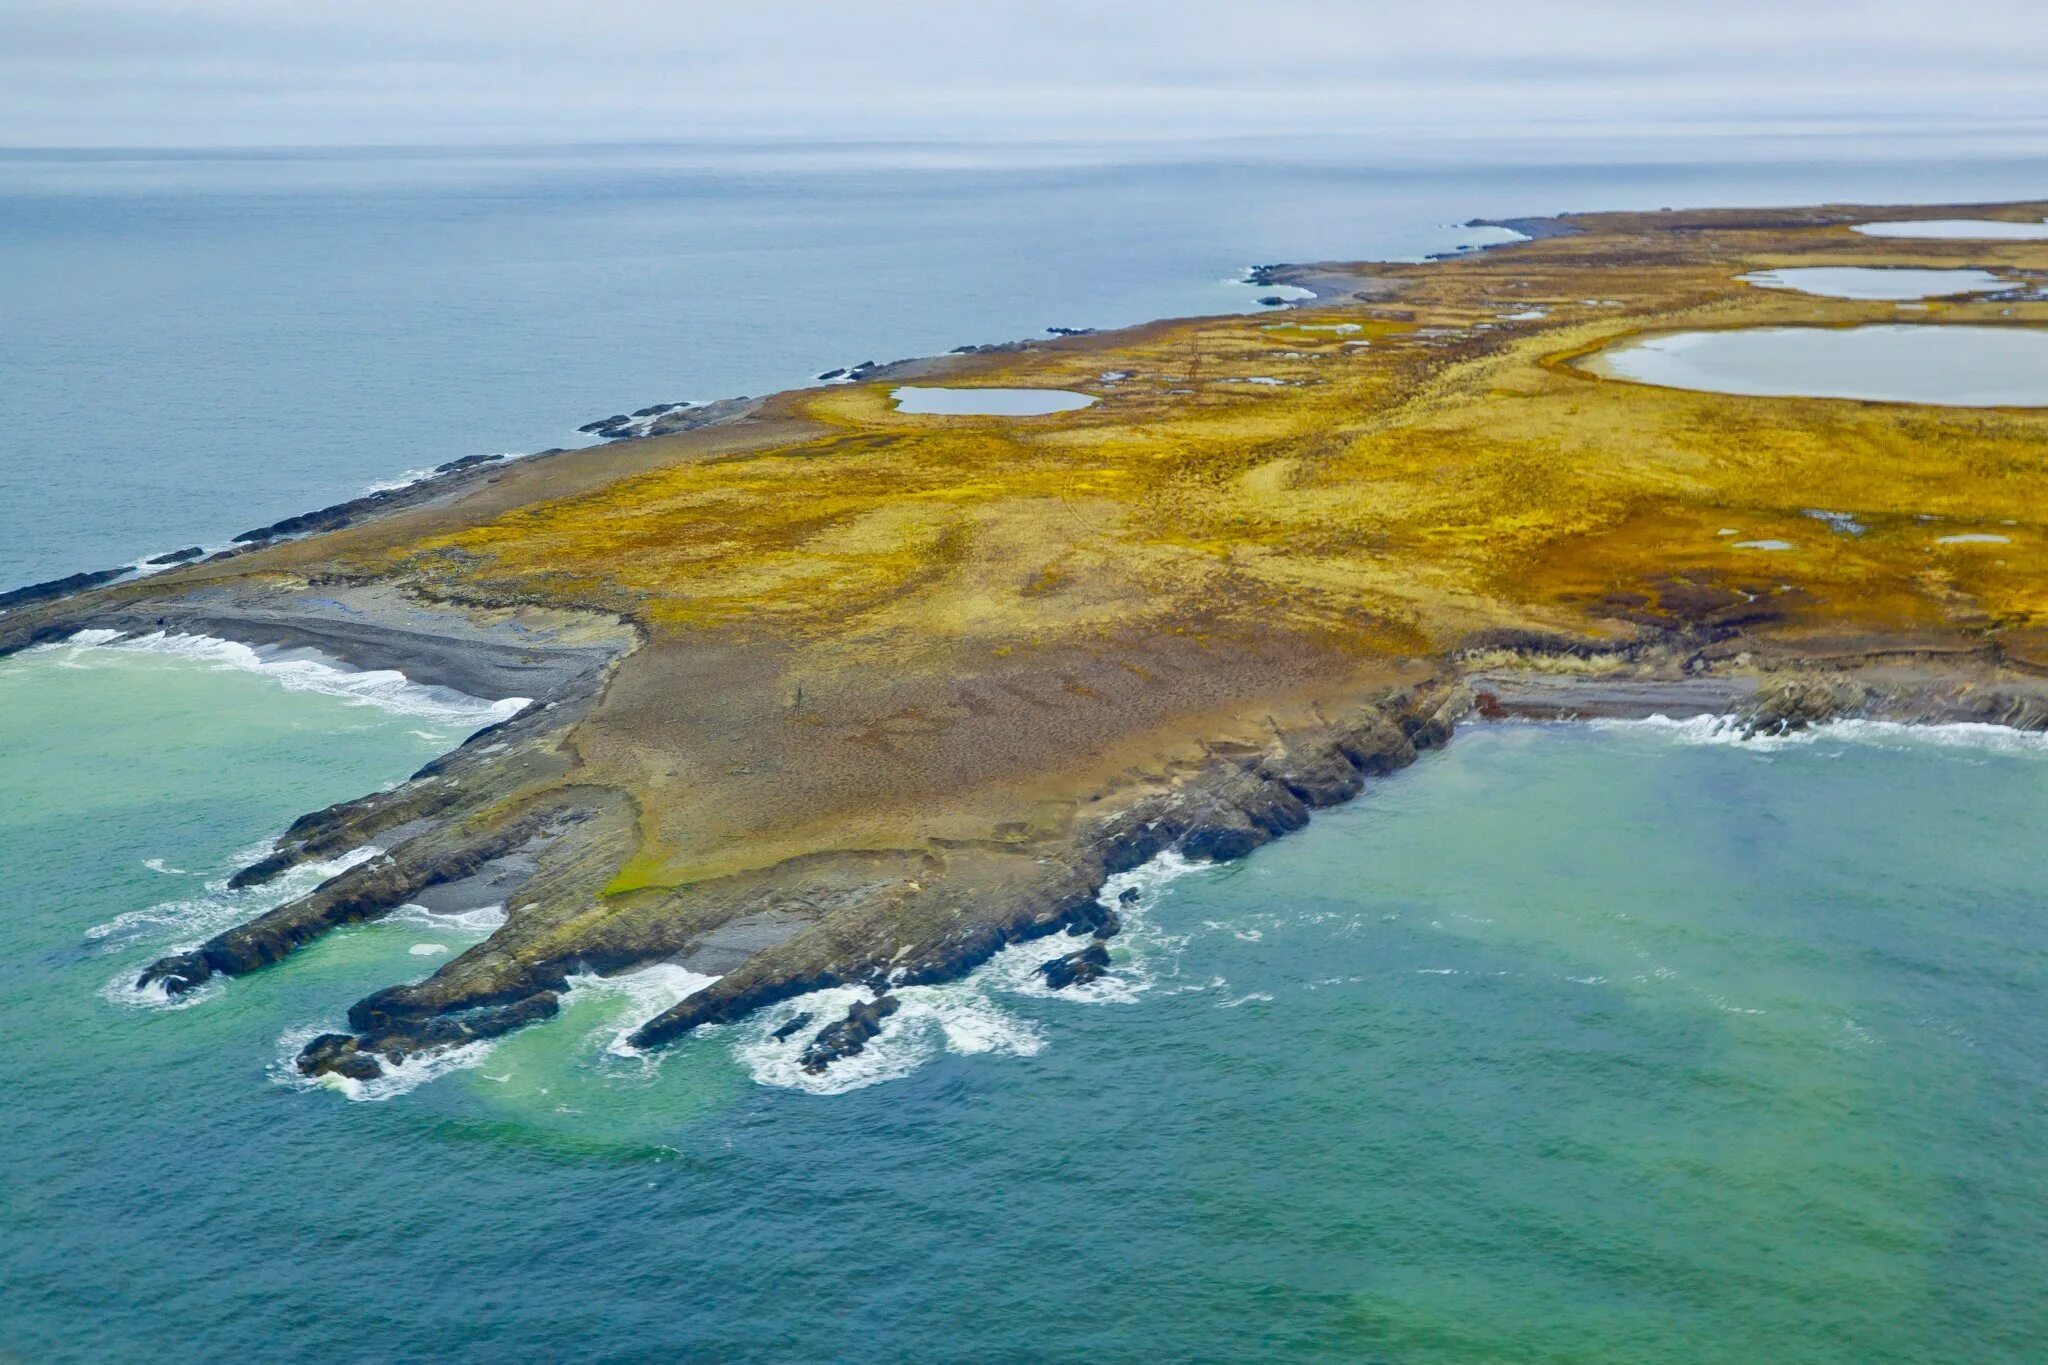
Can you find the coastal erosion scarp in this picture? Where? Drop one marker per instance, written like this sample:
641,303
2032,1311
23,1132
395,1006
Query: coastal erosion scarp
835,695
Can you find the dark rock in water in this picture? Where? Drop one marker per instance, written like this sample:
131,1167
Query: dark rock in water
1273,301
617,419
466,462
452,1030
177,973
338,1054
1129,896
59,587
1071,331
1326,779
850,1035
1222,843
179,556
832,374
357,1056
793,1027
1096,918
1084,964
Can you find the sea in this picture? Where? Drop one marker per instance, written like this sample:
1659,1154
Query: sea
1621,1042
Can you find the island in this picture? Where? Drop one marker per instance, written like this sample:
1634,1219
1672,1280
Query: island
827,691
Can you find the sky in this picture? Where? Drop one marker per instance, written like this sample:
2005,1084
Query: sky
339,72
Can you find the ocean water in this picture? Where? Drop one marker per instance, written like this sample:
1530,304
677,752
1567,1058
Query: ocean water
1598,1044
197,344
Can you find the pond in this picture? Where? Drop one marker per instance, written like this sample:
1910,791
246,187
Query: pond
1866,282
1957,366
988,402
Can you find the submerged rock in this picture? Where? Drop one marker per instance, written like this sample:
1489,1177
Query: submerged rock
176,974
1082,965
338,1054
467,462
362,1056
793,1027
850,1035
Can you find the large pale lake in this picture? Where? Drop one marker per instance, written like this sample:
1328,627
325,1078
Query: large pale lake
1959,366
1957,229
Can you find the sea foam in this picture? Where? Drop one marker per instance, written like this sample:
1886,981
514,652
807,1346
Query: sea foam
972,1015
385,689
180,925
409,1075
1979,736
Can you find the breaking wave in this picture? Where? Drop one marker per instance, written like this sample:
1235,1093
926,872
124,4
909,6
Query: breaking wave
969,1016
408,1075
1980,736
385,689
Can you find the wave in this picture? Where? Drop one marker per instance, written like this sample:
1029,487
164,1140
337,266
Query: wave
965,1017
969,1016
646,992
385,689
485,919
408,1075
178,926
1978,736
497,459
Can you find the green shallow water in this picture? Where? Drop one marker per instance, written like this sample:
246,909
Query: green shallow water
1565,1044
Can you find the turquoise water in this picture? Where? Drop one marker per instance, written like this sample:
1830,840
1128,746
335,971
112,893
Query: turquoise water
1566,1044
200,343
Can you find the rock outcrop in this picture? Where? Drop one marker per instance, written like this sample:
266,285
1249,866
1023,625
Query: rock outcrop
850,1036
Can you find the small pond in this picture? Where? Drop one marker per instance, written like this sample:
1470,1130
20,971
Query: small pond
1865,282
1955,366
1958,229
988,402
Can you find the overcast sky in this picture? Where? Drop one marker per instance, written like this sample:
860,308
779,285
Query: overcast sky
260,72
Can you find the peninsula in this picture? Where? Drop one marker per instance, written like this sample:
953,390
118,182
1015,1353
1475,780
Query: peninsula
827,691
